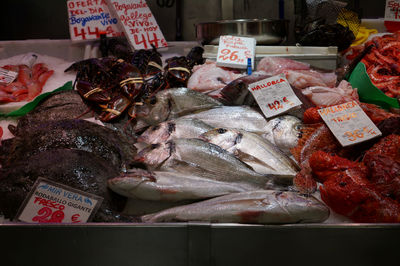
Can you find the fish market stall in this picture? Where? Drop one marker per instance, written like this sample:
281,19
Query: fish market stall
128,149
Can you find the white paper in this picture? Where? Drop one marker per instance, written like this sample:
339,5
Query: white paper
50,202
233,51
349,123
274,95
87,19
138,23
392,10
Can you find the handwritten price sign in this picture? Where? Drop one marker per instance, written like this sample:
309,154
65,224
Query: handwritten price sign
274,95
349,123
50,202
88,19
138,23
233,51
392,10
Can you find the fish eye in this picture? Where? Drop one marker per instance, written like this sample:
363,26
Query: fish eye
153,100
221,130
155,127
154,146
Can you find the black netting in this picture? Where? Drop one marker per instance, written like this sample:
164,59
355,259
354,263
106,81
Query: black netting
325,23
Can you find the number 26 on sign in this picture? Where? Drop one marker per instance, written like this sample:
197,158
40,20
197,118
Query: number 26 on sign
227,54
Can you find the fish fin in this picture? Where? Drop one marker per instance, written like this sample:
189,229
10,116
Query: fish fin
249,158
306,133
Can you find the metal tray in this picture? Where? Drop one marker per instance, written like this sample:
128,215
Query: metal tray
199,244
265,31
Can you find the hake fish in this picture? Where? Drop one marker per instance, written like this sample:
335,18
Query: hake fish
173,103
200,158
173,129
170,186
259,153
240,117
258,207
284,131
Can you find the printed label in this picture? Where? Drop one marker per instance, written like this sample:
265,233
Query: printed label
138,23
349,123
274,95
234,51
50,202
7,76
89,18
392,10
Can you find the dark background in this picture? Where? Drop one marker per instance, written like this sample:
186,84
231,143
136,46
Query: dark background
47,19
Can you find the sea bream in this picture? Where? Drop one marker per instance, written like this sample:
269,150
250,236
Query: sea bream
239,117
170,186
259,153
257,207
173,103
284,132
200,158
173,129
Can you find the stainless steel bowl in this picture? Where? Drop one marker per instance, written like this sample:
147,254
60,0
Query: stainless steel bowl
265,31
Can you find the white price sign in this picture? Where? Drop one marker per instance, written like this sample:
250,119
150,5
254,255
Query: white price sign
50,202
233,51
89,19
7,76
392,10
349,123
138,23
274,95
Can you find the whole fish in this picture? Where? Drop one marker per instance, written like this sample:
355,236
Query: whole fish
170,186
173,129
261,207
240,117
284,132
173,103
200,158
259,153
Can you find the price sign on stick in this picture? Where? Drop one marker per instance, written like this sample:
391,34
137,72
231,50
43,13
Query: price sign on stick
392,10
138,23
88,19
349,123
7,76
50,202
234,51
274,95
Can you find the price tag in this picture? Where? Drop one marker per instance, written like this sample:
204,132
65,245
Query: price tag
138,23
274,95
51,202
233,51
392,10
349,123
88,19
7,76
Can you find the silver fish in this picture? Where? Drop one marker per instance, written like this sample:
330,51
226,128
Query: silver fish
173,103
284,132
261,207
240,117
173,129
170,186
259,153
197,157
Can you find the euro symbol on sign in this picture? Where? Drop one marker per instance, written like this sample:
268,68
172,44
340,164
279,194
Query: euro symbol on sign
88,201
75,218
